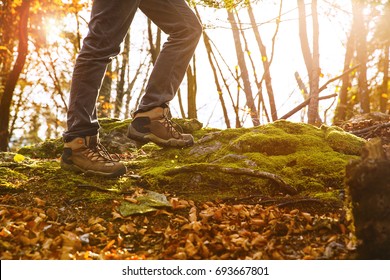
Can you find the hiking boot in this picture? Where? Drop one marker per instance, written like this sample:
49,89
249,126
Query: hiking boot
156,126
88,156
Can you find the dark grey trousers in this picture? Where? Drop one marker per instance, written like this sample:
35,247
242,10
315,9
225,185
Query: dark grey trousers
110,21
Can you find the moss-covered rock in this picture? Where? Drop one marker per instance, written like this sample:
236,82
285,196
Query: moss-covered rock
308,159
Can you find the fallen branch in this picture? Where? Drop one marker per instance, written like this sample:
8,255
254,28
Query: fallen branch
302,200
337,77
306,102
234,171
373,128
303,104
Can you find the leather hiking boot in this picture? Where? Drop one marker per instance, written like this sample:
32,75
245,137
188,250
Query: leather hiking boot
155,126
88,156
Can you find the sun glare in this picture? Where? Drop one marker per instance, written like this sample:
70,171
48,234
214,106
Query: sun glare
52,30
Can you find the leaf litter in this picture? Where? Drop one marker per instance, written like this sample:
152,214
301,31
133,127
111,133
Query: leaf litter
175,229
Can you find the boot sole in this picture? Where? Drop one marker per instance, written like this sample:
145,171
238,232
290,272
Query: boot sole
74,168
144,138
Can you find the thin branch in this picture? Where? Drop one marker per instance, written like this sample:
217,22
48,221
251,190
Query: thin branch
337,77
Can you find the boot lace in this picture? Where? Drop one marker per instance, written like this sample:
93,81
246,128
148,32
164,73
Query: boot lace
100,153
172,127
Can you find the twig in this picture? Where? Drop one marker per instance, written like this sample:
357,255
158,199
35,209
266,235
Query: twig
234,171
337,77
295,201
96,188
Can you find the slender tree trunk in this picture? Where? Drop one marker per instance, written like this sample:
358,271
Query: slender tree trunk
181,107
244,71
311,60
120,87
191,90
6,100
385,85
303,38
217,84
361,54
155,46
266,65
105,105
341,110
313,114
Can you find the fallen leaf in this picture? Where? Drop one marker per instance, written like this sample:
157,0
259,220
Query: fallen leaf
192,216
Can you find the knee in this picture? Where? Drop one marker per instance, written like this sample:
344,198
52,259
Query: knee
197,29
192,30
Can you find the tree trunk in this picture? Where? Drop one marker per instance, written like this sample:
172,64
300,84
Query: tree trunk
217,84
368,182
191,90
361,54
385,85
311,60
120,91
105,105
266,65
155,47
6,100
244,71
313,116
341,110
303,38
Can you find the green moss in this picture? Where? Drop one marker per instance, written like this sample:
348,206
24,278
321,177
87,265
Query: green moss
343,142
51,148
109,124
310,159
11,180
277,144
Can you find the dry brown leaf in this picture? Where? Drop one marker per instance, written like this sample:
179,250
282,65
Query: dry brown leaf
108,246
307,217
180,256
192,216
257,222
70,241
98,228
39,201
204,251
95,220
131,200
116,215
259,241
5,232
127,228
190,249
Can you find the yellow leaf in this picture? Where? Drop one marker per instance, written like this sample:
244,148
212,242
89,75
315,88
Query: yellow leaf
264,58
19,158
384,95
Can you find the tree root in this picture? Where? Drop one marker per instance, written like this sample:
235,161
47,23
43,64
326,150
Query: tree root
235,171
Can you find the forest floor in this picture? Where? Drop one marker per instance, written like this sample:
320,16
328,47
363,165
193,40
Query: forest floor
49,213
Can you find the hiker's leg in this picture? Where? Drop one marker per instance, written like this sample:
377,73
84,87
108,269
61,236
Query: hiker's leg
176,19
110,21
